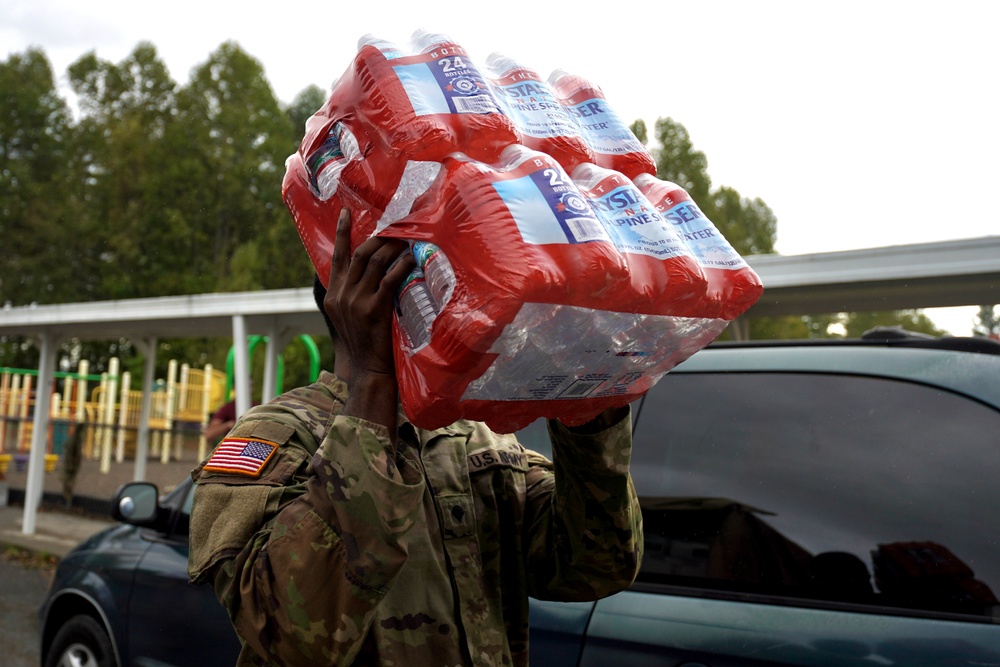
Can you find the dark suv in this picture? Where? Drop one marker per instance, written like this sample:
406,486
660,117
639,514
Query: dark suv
814,503
805,503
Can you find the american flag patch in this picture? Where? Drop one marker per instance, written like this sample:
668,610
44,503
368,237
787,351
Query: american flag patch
241,456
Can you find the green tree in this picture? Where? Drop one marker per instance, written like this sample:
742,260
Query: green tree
987,322
124,162
35,122
678,161
748,224
855,324
306,103
639,130
236,128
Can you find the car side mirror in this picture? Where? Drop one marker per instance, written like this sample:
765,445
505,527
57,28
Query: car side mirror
136,503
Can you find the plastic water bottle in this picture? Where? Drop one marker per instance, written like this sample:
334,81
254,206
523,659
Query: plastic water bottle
388,49
326,164
665,277
613,143
438,272
732,285
429,104
424,41
542,121
415,309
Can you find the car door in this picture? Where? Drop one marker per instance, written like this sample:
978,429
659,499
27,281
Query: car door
172,622
810,519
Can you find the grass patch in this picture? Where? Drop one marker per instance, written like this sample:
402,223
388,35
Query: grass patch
36,560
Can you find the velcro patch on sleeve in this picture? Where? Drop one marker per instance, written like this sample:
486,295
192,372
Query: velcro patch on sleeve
241,456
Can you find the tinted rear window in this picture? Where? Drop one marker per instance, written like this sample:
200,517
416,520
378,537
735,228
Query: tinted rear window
831,487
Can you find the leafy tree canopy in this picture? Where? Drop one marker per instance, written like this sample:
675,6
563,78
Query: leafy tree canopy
158,188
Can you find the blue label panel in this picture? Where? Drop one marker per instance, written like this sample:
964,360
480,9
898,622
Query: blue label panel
422,88
636,225
603,128
708,246
547,209
451,84
536,111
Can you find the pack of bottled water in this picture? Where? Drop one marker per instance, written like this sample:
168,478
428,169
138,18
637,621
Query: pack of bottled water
556,276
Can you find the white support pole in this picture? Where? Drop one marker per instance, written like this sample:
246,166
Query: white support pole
169,418
36,460
241,364
82,369
182,407
206,402
182,396
81,390
67,398
100,409
274,346
109,415
148,348
123,414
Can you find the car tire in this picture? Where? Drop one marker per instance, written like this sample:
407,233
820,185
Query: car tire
81,642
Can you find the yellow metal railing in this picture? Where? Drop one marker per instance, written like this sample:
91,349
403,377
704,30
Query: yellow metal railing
182,404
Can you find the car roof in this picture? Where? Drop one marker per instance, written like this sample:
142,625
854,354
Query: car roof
969,366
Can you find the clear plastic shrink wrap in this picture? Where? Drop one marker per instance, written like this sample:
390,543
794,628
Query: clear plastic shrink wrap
556,276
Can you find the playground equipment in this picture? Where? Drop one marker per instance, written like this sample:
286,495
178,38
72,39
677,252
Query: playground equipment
279,382
180,407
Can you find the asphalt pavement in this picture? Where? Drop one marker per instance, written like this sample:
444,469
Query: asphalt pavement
24,588
25,580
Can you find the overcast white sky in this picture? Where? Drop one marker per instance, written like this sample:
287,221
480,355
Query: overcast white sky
842,116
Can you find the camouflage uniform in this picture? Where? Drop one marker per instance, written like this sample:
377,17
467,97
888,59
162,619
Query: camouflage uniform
346,551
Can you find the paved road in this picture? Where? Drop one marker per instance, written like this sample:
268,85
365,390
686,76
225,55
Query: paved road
23,589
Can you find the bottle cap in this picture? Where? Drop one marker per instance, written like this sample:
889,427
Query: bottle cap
556,75
500,64
383,45
422,40
587,174
643,179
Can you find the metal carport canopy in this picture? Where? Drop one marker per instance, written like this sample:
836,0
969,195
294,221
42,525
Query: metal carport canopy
953,273
927,275
198,315
930,275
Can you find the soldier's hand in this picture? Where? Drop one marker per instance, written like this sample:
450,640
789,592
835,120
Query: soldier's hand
359,299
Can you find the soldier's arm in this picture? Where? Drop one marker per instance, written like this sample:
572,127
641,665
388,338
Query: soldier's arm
582,514
303,584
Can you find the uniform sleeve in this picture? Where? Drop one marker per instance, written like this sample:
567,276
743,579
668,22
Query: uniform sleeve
582,515
304,585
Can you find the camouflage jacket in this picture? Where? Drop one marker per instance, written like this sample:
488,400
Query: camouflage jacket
344,550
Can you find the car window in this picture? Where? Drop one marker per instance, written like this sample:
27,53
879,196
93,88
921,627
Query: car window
178,503
836,488
535,436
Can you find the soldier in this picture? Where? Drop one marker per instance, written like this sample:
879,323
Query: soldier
337,533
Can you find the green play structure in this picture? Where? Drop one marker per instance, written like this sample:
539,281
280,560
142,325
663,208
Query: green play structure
279,380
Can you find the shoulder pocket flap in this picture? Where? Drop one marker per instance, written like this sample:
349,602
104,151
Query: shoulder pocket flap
223,519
